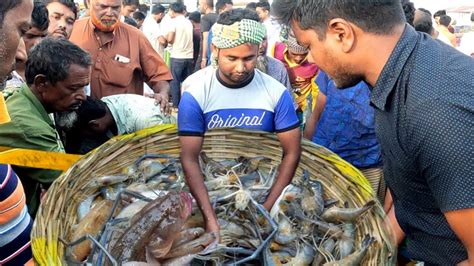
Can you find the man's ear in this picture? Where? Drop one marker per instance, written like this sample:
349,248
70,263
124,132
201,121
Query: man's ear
40,83
214,49
342,33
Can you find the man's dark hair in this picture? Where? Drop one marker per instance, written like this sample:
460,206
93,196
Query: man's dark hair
425,11
130,21
439,13
424,23
143,8
472,16
177,7
89,110
374,16
39,16
409,10
5,6
236,15
251,5
131,3
263,5
52,58
220,4
68,3
195,17
158,9
138,15
445,20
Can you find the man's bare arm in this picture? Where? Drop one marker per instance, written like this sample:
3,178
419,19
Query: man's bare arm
462,223
291,144
190,149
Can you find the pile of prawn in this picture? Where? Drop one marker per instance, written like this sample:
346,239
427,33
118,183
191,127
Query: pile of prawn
145,215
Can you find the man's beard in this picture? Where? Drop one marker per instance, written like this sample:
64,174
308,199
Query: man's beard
345,80
262,63
342,75
66,120
104,27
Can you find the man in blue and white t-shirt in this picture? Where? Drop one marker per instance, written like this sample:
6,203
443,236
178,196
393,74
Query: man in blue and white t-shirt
235,95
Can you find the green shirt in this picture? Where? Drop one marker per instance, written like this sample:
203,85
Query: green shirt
30,128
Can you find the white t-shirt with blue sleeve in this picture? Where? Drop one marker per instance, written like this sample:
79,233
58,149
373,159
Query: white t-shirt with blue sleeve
263,104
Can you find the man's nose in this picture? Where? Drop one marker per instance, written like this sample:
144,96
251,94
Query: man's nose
62,23
109,11
240,67
20,55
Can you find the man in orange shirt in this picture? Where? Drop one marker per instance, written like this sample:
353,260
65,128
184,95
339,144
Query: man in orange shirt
122,56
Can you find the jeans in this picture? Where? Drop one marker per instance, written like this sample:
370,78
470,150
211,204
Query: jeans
180,69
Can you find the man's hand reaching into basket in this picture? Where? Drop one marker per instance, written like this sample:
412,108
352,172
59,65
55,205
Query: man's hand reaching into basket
190,150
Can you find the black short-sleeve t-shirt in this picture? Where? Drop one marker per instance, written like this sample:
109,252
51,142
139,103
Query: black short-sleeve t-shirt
207,21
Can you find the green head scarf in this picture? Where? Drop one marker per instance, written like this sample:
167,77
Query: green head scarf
244,31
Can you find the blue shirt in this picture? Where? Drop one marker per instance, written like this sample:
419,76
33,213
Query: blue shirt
346,126
263,104
424,117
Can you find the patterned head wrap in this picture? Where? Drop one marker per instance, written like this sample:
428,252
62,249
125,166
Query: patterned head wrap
287,37
293,45
244,31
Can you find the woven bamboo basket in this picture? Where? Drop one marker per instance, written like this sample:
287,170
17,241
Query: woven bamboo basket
57,213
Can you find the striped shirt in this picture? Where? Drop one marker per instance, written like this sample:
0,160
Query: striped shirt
15,222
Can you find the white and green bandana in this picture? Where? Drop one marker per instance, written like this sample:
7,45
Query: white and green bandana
244,31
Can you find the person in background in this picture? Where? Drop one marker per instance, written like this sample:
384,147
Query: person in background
111,116
235,95
272,66
437,15
273,28
423,22
15,222
223,6
153,29
139,17
85,11
409,10
180,35
195,18
302,74
422,93
56,73
206,7
37,32
344,122
122,56
144,8
443,28
128,7
62,15
130,21
467,41
251,6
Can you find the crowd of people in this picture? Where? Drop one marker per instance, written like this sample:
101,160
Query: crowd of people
71,79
